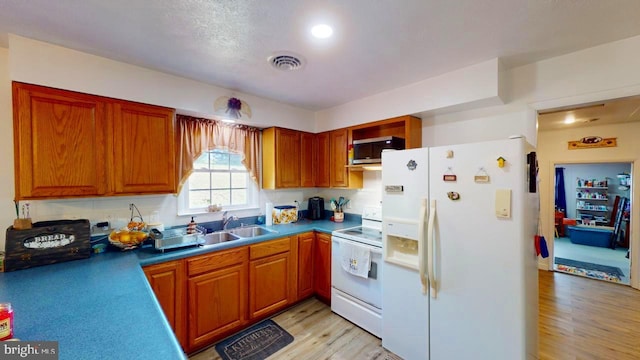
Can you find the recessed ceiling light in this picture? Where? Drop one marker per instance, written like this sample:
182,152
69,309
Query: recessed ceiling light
570,119
322,31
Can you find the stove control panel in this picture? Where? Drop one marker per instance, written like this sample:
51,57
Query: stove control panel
372,213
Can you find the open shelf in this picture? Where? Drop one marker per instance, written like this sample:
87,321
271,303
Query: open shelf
592,201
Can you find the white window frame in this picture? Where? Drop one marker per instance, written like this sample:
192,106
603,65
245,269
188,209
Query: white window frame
253,194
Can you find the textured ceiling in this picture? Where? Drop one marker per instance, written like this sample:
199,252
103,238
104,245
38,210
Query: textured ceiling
377,45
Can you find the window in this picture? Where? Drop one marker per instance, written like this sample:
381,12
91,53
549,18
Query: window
218,177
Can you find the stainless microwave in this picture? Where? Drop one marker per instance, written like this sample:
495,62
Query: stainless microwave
369,151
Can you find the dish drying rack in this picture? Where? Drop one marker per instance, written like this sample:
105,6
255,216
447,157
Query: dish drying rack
177,238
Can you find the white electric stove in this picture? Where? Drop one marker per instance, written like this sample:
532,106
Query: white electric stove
355,298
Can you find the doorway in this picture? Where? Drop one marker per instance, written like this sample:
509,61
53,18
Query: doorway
592,215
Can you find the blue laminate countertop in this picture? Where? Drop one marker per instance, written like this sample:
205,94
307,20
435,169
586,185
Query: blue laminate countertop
96,308
103,307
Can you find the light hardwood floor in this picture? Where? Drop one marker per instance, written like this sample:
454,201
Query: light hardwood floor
580,318
583,318
319,334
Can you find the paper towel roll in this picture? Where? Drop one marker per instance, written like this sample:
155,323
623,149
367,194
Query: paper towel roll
268,214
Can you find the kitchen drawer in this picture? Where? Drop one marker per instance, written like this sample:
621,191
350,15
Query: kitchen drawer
218,260
270,248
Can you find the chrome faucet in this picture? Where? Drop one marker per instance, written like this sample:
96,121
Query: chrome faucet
225,220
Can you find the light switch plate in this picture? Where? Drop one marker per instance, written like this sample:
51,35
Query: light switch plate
503,203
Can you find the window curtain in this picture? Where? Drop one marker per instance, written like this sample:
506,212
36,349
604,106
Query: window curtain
561,198
198,135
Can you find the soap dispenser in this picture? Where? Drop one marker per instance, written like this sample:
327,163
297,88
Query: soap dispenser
191,228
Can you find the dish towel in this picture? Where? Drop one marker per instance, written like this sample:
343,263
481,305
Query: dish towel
356,259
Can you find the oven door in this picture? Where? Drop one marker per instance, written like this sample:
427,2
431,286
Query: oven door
366,290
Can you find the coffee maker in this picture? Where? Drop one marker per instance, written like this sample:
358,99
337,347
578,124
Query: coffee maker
315,210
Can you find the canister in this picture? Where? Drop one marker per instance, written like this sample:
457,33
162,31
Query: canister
284,214
6,321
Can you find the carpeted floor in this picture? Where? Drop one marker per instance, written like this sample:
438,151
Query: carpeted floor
563,248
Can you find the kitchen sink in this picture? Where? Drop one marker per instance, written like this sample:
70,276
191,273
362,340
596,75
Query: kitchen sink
250,231
219,237
234,234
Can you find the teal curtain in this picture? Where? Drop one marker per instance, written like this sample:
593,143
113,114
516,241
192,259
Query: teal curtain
561,198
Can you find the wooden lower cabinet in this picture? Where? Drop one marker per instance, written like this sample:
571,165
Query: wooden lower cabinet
268,284
322,266
271,277
305,264
211,296
217,296
168,283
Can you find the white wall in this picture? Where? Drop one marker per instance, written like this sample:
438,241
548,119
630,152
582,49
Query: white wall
603,72
477,85
41,63
479,125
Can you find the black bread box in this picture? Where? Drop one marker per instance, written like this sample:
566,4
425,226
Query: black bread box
47,242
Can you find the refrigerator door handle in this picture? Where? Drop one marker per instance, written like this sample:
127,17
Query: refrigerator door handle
432,253
421,245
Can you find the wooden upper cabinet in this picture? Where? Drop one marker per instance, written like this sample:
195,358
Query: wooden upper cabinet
407,127
308,159
338,158
59,142
288,158
144,153
69,144
280,158
323,166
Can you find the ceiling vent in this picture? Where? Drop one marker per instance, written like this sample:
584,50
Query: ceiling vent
286,61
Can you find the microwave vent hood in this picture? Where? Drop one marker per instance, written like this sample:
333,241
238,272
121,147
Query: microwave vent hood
369,151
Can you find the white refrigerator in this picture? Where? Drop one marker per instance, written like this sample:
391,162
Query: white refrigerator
460,266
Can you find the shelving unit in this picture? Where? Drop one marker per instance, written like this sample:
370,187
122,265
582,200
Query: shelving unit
592,201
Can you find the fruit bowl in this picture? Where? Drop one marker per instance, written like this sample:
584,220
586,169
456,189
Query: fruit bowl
127,239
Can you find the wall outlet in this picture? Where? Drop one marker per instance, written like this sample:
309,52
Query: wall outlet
101,227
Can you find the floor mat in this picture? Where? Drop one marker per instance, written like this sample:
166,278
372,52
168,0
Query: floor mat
254,343
596,271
